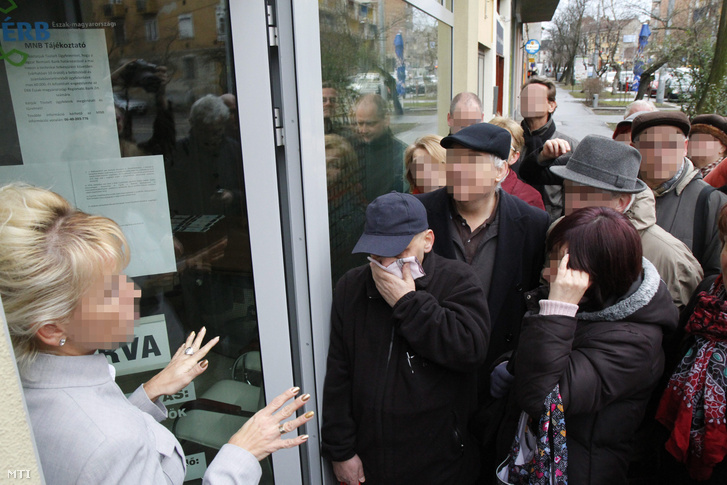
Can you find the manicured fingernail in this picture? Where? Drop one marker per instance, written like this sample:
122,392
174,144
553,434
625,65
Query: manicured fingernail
310,414
295,390
204,363
191,334
305,397
216,338
304,437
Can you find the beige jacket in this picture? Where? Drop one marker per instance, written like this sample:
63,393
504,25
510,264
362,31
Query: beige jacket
675,263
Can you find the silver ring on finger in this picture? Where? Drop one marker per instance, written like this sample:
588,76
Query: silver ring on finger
189,351
281,428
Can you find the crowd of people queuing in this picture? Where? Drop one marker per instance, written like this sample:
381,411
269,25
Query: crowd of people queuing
511,305
536,309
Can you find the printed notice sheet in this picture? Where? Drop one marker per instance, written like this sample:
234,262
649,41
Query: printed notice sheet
131,191
62,95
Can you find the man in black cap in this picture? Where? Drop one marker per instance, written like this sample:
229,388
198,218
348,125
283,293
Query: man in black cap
604,173
686,206
497,234
408,332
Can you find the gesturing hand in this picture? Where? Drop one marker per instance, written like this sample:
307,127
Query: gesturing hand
350,471
553,149
262,434
569,285
182,368
390,286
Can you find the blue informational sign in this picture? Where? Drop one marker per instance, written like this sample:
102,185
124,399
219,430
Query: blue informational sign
532,47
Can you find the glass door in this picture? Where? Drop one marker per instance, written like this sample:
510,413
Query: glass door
153,113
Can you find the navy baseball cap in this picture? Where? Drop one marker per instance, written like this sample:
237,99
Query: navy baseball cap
392,221
482,137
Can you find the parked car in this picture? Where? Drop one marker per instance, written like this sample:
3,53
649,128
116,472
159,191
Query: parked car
679,82
367,83
131,105
416,86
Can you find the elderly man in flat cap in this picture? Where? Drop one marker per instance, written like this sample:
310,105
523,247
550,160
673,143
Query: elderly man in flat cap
497,234
408,333
604,173
686,206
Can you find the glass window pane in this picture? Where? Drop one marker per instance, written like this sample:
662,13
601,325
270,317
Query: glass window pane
386,83
172,88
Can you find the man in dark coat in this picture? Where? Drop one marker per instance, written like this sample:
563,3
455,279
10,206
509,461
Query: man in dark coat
686,206
380,154
543,143
499,235
406,341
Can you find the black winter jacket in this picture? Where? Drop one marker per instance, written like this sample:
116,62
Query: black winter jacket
401,384
607,363
519,259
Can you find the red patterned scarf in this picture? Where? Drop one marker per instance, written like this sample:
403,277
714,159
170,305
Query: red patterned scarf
693,404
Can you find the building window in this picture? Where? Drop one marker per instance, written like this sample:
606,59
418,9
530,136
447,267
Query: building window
119,32
152,29
186,26
188,66
221,23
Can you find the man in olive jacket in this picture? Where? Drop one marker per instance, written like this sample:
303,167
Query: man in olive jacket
406,341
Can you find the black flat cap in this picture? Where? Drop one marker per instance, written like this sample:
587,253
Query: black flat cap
482,137
714,125
650,119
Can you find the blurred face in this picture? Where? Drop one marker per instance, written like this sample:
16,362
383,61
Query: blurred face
104,318
534,101
330,102
624,137
704,149
334,166
551,269
471,175
419,246
369,125
428,174
578,196
209,135
662,149
464,116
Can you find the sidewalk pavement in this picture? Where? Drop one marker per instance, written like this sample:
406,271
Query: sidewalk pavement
574,119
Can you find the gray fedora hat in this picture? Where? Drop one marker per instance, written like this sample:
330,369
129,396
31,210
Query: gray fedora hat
602,163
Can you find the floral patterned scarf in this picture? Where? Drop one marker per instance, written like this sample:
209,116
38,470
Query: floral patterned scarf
693,404
539,456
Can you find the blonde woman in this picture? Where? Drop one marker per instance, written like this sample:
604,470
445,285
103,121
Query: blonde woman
424,164
511,183
65,296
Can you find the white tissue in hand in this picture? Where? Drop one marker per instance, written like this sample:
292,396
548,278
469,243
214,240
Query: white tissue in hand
395,268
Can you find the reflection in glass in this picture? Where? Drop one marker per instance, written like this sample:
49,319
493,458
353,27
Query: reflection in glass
173,90
385,84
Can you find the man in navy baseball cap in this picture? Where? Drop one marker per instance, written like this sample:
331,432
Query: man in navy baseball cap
410,327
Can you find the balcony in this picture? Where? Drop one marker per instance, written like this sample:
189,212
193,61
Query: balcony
536,10
114,10
147,7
